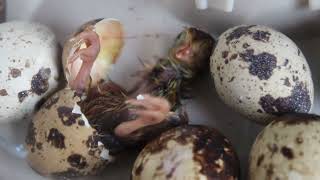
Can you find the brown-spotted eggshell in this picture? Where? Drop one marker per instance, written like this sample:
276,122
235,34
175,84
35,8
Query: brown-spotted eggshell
260,72
187,152
29,68
61,142
288,149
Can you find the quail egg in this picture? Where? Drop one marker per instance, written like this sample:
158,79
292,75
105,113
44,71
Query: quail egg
187,152
29,68
260,73
287,149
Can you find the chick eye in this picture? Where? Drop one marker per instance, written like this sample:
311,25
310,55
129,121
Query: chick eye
181,37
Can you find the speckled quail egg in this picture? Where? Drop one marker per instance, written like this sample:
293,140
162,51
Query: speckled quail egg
260,73
61,142
29,68
287,149
187,152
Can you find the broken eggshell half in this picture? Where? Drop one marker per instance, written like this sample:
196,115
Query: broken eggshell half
89,54
66,139
61,142
29,68
187,152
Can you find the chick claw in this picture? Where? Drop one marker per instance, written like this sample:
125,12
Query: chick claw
154,111
88,56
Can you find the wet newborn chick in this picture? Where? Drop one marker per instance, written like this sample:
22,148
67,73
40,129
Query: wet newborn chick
128,118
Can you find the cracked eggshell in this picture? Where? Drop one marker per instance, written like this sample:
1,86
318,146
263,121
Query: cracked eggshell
187,152
28,70
288,148
110,32
260,72
60,141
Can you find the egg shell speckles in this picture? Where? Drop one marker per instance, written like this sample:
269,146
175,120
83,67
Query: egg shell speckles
28,70
187,152
59,143
288,148
260,72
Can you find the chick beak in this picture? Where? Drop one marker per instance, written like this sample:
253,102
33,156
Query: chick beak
192,47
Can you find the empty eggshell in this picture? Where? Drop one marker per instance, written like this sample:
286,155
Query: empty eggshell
28,69
260,72
61,142
187,152
288,148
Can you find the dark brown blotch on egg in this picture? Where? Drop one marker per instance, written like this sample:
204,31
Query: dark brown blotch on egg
81,123
260,160
287,82
211,150
39,146
14,72
3,92
299,101
77,161
66,116
238,33
56,138
23,95
207,151
263,36
261,65
40,81
245,45
31,135
287,152
225,54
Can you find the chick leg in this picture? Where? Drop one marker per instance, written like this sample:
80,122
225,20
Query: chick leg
154,111
88,56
